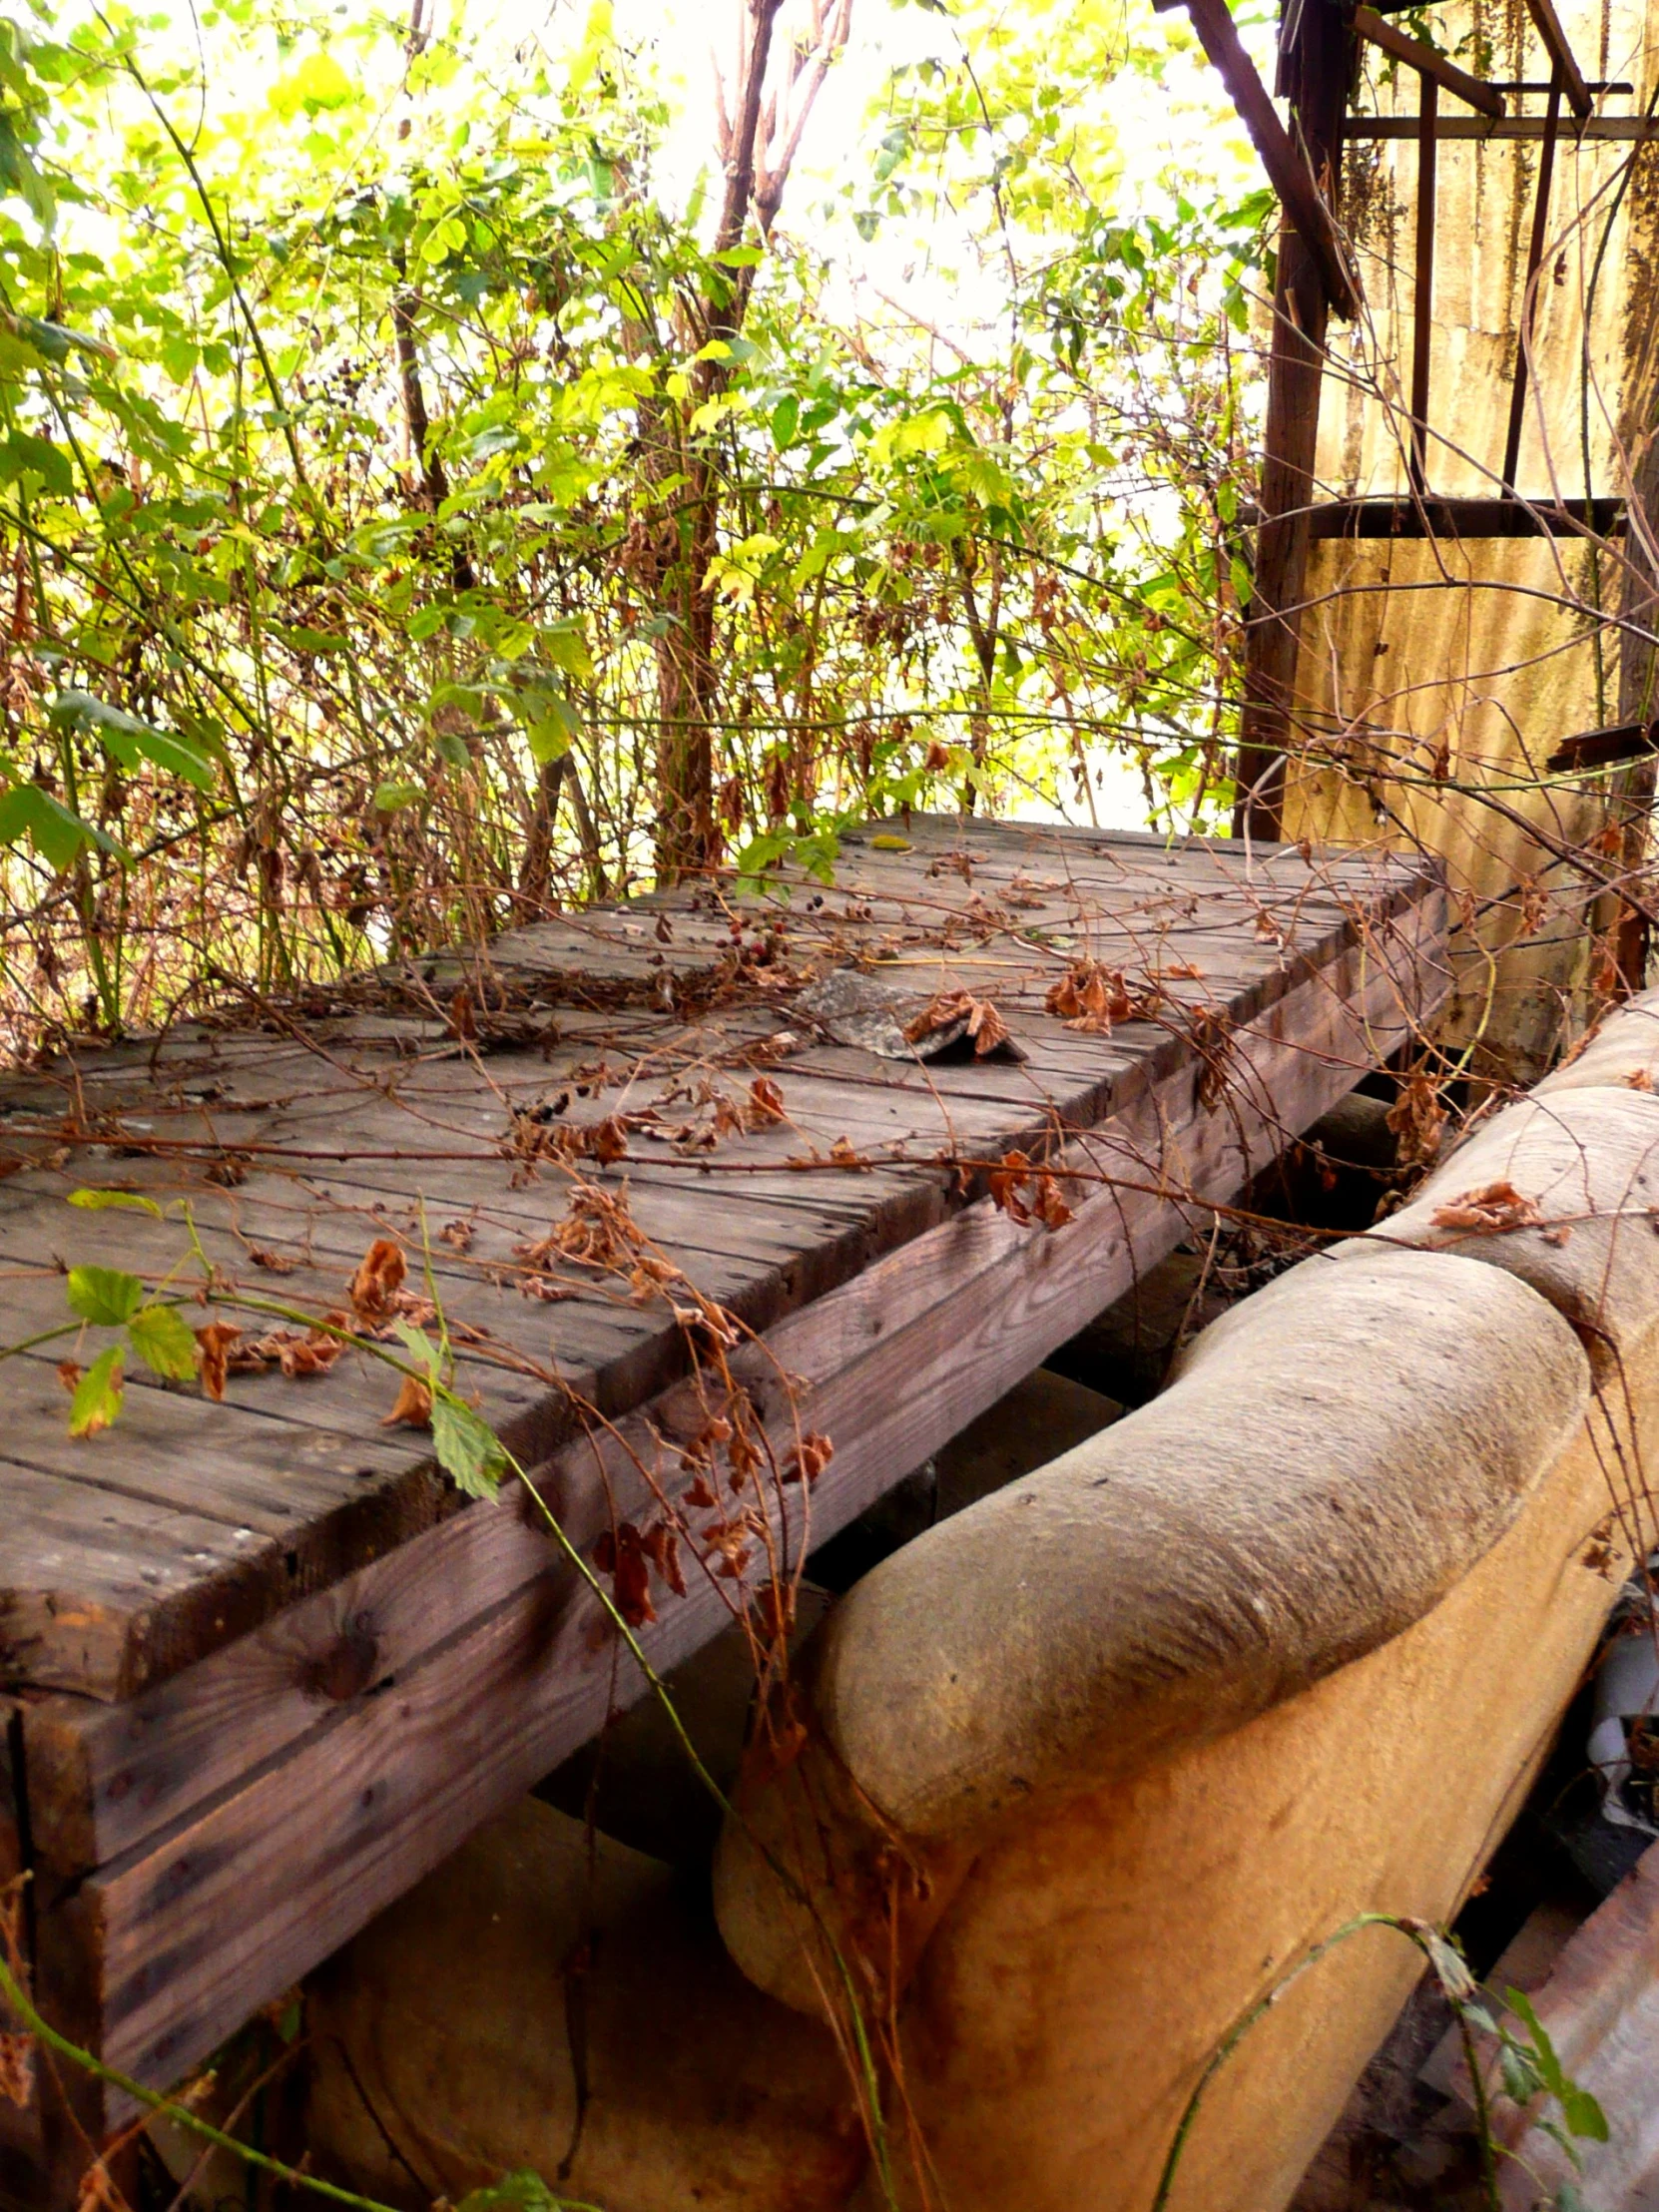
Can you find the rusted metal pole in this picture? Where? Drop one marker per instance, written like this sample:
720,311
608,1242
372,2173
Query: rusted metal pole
1548,26
1422,300
1427,62
1288,173
1529,298
1319,70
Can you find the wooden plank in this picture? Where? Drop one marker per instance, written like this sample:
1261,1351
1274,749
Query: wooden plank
192,1927
22,2141
101,1588
1427,60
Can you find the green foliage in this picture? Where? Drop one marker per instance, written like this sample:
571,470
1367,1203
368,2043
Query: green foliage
1530,2068
155,1333
349,483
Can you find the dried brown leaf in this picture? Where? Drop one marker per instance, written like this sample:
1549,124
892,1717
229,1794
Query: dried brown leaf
17,2073
213,1351
379,1279
621,1554
1416,1119
808,1462
1489,1211
413,1409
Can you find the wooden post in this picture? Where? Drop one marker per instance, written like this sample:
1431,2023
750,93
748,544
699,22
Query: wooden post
1318,74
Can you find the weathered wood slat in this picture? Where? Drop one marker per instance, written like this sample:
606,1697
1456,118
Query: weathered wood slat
300,1483
196,1921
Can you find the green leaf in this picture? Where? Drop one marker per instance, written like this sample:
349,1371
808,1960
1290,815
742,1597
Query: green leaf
52,341
566,646
520,2192
105,1296
390,797
95,1202
127,738
56,834
1583,2114
22,454
468,1449
1520,2077
1544,2051
163,1342
98,1396
318,83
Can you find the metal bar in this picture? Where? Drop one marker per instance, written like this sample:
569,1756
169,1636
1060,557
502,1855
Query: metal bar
1288,173
1592,749
1455,518
1423,297
1548,26
1427,62
1623,127
1529,298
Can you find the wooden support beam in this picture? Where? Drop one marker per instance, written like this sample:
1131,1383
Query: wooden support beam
1548,26
1529,296
1422,297
1427,62
177,1883
1318,69
1290,176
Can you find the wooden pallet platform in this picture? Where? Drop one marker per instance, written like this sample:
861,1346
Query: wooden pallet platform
266,1666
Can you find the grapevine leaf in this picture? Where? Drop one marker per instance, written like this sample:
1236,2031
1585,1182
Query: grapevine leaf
105,1296
467,1448
163,1342
98,1394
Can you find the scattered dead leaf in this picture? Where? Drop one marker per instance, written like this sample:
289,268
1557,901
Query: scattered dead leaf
296,1352
17,2075
1416,1119
1090,997
808,1462
985,1025
621,1555
413,1409
1489,1211
661,1545
457,1235
213,1350
1027,1192
274,1263
378,1280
